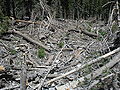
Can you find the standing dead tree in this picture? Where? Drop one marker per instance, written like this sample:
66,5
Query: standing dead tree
23,78
114,16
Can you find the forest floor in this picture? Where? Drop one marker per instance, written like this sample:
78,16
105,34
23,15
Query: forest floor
59,54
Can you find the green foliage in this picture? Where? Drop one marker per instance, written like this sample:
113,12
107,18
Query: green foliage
4,23
103,33
41,53
13,52
87,69
70,4
89,29
64,8
114,27
93,88
86,81
61,44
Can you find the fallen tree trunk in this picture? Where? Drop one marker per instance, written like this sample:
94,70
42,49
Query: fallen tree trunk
93,35
89,33
101,79
92,75
29,39
82,66
31,22
25,21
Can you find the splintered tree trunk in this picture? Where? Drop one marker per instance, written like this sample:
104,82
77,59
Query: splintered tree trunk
13,8
117,7
23,75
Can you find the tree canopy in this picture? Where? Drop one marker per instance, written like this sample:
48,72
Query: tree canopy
69,9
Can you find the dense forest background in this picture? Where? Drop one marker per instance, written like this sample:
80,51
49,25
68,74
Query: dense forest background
68,9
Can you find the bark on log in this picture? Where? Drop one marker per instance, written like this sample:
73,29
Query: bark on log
29,39
89,33
93,75
93,35
30,22
82,66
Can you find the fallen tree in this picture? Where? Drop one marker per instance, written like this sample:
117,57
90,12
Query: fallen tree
92,75
29,39
82,66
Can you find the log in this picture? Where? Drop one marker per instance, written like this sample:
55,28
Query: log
30,22
84,32
93,75
29,39
82,66
23,75
89,33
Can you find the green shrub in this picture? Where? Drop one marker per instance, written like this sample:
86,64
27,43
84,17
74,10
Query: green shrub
4,23
3,27
13,52
41,53
89,29
114,27
103,33
61,44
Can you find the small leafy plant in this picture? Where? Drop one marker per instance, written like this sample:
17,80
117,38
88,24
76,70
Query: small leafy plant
41,53
89,29
103,33
114,27
61,44
13,52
